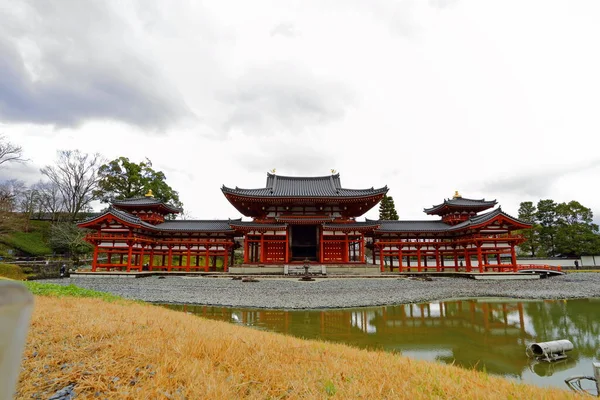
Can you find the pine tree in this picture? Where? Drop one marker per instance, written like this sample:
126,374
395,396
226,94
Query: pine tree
387,209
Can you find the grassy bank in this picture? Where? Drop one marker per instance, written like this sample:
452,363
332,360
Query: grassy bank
138,351
33,242
49,289
12,271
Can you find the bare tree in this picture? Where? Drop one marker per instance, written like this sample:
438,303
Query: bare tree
10,194
10,152
50,199
76,176
66,237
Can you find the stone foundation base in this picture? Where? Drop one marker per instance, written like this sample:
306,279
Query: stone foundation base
314,269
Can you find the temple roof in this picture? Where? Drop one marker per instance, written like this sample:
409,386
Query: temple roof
144,201
357,225
204,225
439,226
119,214
412,226
316,186
461,203
215,225
251,225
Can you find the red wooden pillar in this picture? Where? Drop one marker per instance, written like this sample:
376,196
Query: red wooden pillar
121,258
467,260
109,257
400,257
479,257
437,258
246,248
345,256
141,264
419,258
287,247
362,248
95,257
189,258
513,257
381,265
206,258
321,245
225,260
262,247
498,259
129,255
170,258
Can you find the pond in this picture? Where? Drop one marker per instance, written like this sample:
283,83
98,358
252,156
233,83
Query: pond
486,334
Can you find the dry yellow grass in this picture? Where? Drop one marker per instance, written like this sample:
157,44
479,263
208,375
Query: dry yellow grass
136,351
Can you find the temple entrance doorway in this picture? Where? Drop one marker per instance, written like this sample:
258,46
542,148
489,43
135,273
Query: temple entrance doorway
304,242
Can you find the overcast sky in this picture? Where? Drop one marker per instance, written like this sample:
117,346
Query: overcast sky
496,99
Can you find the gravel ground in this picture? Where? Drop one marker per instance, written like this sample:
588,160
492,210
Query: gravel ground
333,293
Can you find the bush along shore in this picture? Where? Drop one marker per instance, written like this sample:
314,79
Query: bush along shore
112,348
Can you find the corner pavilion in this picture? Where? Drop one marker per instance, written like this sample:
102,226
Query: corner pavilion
297,220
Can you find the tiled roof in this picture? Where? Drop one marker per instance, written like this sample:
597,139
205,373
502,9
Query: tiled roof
144,201
439,226
168,226
252,224
316,186
482,218
412,226
212,225
353,225
122,215
461,202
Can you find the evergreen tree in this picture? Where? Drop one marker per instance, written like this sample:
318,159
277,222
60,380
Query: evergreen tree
387,209
122,179
546,218
527,213
576,234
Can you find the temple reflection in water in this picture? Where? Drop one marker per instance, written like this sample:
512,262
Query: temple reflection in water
485,334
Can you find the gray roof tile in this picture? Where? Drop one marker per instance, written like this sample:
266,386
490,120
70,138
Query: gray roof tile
212,225
316,186
144,201
439,226
252,224
462,202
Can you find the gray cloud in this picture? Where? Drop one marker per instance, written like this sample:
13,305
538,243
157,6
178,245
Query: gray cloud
283,98
68,62
536,183
26,172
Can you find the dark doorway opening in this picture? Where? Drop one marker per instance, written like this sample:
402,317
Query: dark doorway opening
304,242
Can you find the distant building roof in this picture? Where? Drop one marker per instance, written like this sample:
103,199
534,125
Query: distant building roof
145,201
316,186
461,203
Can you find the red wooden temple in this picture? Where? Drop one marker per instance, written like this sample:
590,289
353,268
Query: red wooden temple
298,220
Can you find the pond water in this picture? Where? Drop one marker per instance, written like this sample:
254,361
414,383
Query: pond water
485,334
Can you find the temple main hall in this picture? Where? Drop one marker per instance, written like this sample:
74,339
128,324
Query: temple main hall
294,222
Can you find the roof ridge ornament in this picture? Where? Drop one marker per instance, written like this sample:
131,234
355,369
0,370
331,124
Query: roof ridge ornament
456,195
149,194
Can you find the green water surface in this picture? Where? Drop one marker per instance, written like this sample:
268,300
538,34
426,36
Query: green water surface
484,334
